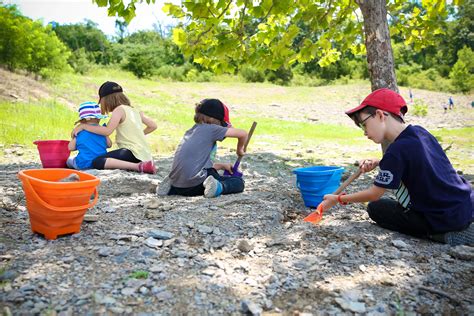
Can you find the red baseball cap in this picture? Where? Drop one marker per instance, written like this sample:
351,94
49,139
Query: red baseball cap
226,116
384,99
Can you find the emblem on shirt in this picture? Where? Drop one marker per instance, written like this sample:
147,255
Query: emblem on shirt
384,177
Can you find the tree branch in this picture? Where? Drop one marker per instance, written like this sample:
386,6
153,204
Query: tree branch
210,28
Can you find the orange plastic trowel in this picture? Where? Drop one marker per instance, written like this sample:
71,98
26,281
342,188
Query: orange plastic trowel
316,216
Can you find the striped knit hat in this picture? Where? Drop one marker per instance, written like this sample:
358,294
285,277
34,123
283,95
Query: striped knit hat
88,110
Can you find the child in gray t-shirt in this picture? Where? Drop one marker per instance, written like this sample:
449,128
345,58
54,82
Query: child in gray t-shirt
193,173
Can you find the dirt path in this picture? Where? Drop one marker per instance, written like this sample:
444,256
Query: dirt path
237,253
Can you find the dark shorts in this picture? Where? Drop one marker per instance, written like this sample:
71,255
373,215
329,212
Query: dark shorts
119,154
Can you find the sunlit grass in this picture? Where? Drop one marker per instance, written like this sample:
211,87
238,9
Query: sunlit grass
171,105
23,123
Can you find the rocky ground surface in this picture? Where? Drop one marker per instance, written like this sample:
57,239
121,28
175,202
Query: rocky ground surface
138,253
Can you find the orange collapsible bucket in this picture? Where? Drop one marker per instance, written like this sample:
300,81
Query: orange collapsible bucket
57,208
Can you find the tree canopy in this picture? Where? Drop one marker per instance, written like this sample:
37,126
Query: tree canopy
221,35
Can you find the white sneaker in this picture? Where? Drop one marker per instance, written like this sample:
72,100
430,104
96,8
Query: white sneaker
212,187
164,187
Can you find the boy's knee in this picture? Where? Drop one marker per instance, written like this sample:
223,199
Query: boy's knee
374,210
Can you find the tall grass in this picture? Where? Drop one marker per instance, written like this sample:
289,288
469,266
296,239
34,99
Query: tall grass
23,123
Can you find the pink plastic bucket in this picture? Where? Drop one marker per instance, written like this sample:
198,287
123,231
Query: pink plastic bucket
53,153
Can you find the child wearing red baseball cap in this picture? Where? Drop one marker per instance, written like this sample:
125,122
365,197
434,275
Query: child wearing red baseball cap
432,200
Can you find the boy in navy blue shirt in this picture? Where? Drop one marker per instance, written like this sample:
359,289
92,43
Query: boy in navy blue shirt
433,201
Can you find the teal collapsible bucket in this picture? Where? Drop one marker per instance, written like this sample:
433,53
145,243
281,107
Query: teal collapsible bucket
315,182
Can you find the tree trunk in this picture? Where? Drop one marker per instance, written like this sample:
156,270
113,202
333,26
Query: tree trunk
377,43
379,47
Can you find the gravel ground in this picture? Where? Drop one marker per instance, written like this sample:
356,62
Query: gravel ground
244,253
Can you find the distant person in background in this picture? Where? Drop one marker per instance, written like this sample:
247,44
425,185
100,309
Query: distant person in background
451,103
411,96
445,107
88,145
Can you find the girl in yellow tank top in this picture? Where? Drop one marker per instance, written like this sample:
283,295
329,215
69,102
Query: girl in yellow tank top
134,152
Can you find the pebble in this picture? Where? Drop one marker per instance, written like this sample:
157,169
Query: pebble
153,243
400,244
90,218
463,252
244,246
203,229
215,260
104,252
355,307
160,234
251,308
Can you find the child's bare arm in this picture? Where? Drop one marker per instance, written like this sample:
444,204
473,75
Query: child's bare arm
115,119
72,144
150,124
241,135
371,194
109,141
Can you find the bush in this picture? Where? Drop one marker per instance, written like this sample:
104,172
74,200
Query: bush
462,74
419,108
281,76
79,61
25,44
175,73
142,60
308,81
251,74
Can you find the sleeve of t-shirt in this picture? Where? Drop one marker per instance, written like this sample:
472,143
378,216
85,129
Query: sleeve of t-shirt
390,172
217,132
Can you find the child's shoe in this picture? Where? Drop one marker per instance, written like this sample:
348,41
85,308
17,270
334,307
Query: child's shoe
212,187
463,237
164,187
147,167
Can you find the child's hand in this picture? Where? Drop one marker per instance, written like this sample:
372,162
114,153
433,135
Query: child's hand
368,164
329,200
228,167
240,152
77,129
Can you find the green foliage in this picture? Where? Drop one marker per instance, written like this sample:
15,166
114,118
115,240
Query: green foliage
419,108
144,52
307,80
198,76
25,44
139,274
462,74
413,76
79,61
327,35
175,73
267,34
85,36
141,60
252,74
281,76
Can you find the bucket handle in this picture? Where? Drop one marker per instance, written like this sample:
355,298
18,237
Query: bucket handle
61,209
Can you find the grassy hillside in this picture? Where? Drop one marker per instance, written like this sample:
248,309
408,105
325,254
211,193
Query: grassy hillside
292,121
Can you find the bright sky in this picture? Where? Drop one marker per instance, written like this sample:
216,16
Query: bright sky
74,11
